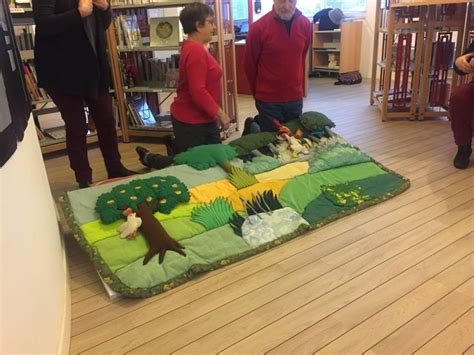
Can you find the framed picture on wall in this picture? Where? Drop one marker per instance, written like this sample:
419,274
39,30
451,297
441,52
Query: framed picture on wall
164,31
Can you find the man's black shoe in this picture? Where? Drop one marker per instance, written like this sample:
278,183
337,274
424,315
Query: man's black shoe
122,172
84,184
461,160
169,143
142,153
247,124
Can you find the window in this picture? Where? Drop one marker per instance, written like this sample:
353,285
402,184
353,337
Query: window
240,10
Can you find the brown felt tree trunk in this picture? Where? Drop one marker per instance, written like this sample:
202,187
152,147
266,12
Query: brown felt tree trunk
158,239
227,167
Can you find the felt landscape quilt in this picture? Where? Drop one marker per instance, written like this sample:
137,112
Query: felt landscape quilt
222,203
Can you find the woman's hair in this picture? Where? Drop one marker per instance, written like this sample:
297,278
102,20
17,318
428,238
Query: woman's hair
192,14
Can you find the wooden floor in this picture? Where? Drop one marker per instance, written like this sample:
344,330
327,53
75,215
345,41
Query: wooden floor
395,278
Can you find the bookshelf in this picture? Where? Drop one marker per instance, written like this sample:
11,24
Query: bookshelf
52,135
337,51
145,69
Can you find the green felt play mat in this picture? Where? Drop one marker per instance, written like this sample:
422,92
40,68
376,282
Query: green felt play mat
276,190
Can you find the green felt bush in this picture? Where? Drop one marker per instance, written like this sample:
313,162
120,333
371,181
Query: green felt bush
204,157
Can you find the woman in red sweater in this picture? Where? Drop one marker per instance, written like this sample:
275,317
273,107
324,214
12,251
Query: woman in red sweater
196,112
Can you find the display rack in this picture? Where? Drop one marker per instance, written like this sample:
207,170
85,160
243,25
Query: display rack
412,72
397,66
445,42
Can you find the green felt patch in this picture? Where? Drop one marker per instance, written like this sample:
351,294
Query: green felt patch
118,253
261,164
335,156
204,249
300,191
182,228
376,187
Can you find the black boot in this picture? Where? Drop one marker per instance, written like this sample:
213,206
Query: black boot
84,184
122,172
155,161
142,155
461,160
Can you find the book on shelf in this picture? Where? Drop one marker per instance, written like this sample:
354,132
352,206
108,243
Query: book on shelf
59,133
56,133
143,114
36,93
25,38
141,69
129,30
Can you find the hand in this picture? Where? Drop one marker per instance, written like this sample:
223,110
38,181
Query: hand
465,63
101,4
85,8
223,118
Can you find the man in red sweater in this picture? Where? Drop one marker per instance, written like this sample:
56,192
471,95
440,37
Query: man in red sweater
275,57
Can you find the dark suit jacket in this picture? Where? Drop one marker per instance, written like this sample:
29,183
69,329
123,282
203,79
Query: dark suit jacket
64,57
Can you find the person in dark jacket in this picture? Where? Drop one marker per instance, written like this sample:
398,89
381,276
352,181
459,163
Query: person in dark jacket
461,109
71,64
329,19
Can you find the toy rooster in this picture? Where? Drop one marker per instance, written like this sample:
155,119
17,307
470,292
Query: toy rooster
294,145
129,229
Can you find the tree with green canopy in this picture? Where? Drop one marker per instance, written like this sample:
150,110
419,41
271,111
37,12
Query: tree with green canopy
206,156
146,196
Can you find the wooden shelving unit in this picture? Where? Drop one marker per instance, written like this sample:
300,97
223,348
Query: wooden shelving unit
222,47
343,43
412,71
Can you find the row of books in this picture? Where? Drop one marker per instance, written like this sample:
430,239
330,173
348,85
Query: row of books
36,93
141,69
142,116
132,28
25,40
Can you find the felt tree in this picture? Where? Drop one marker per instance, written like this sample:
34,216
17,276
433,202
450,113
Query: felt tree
146,196
206,156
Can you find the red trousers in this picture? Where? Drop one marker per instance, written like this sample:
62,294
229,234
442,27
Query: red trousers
461,112
72,112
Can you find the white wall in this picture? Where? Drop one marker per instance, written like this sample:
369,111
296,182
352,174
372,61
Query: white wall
368,28
35,304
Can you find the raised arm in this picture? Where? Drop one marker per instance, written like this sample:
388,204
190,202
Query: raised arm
465,64
50,23
105,11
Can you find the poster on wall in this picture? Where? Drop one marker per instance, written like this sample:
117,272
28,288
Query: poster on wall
14,103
